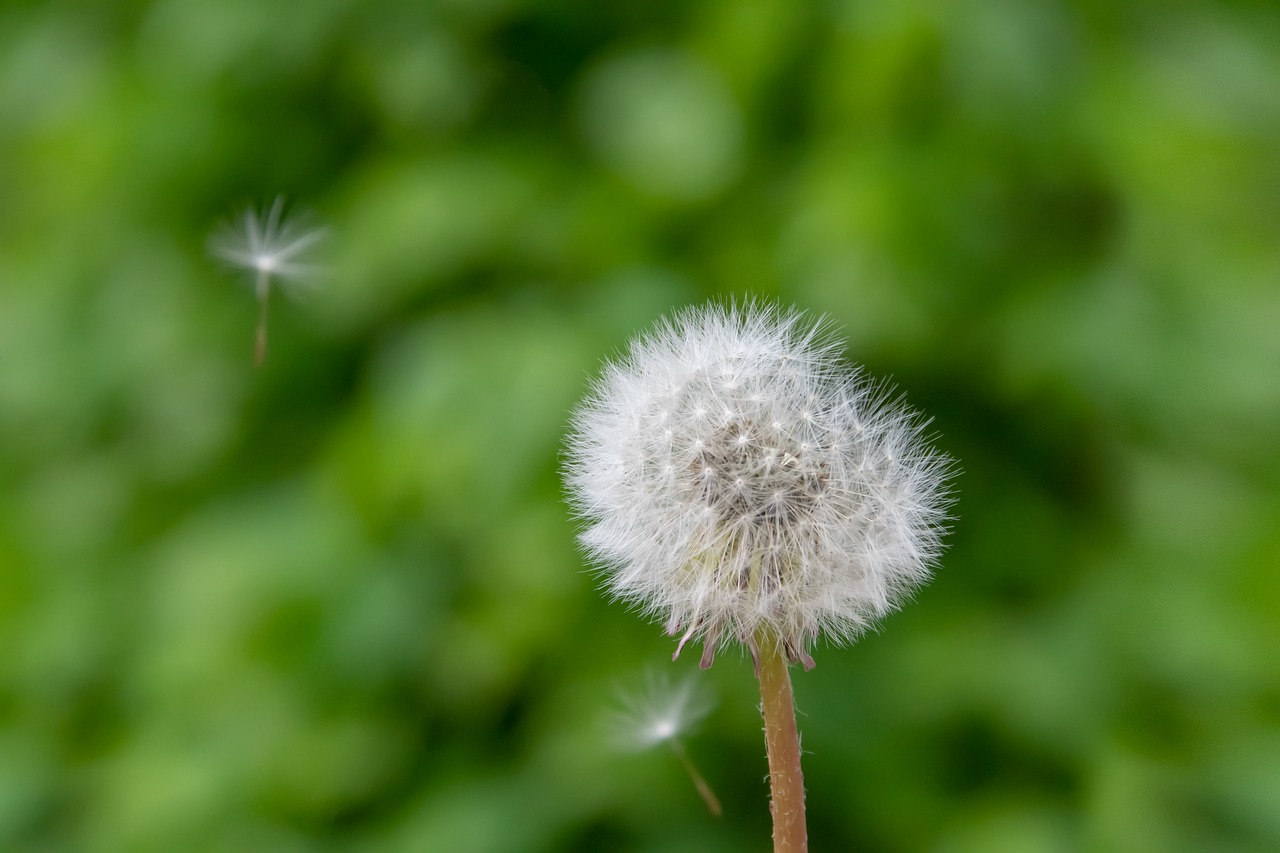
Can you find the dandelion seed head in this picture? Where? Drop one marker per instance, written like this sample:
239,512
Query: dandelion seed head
666,709
735,476
270,244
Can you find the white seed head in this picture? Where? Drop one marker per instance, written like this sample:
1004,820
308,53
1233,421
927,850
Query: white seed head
664,711
738,478
269,244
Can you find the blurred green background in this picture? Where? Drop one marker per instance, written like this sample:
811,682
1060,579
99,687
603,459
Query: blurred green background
336,604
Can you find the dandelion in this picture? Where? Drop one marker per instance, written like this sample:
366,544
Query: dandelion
661,715
741,482
270,246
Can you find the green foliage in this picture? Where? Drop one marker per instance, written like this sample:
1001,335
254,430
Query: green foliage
335,603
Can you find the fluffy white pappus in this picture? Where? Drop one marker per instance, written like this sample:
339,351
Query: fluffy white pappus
664,711
739,480
270,245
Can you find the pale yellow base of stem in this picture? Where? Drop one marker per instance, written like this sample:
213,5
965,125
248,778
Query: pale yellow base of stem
782,741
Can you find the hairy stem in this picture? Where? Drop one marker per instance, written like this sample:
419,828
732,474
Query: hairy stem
704,790
782,741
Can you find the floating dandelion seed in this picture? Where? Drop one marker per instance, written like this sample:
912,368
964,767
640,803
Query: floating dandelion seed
272,247
661,715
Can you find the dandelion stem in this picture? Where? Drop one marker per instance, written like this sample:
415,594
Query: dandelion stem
708,796
782,741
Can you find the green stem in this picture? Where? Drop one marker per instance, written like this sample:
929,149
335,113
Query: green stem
782,741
